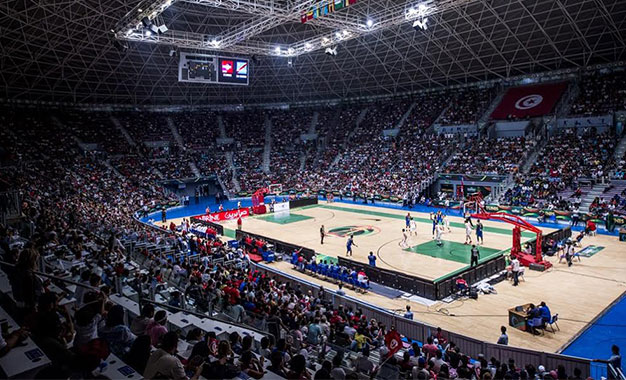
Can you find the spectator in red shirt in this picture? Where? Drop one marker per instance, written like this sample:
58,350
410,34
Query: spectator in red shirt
430,349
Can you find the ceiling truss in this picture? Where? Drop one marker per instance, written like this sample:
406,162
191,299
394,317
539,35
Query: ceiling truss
63,51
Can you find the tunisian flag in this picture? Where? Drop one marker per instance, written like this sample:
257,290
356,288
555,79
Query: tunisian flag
393,341
529,101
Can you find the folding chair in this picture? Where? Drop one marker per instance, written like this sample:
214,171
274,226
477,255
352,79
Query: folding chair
553,322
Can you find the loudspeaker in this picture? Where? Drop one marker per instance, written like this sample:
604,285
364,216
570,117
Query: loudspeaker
153,28
537,267
473,293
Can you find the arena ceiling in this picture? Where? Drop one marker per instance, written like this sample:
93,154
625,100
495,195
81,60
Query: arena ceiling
62,50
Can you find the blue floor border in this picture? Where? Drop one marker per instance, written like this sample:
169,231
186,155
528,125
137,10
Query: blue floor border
199,208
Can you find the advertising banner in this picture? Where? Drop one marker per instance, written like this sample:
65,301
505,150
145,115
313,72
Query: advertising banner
283,206
224,215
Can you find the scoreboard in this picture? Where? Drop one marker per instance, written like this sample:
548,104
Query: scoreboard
202,68
233,71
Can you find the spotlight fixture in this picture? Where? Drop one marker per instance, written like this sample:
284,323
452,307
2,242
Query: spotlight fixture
120,46
331,51
277,49
148,33
163,29
369,23
421,24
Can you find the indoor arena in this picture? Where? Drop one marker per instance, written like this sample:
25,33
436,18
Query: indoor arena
313,189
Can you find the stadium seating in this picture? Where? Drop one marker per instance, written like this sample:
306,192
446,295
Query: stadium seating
83,215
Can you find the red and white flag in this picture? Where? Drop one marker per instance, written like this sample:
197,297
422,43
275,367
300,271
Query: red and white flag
393,341
529,101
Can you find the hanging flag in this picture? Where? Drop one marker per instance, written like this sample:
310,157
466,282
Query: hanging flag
529,101
324,8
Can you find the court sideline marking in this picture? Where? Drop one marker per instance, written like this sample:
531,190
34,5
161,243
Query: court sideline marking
502,231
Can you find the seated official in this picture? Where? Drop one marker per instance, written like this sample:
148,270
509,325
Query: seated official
534,316
545,312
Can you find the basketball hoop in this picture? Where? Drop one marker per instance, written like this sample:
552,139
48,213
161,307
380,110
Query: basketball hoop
276,188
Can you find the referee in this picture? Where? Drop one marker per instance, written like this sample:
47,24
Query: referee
475,255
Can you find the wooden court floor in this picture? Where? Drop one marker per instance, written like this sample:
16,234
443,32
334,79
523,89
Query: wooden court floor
578,293
379,230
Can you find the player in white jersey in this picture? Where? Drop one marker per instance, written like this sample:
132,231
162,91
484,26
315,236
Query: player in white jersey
438,233
413,227
468,232
446,222
404,243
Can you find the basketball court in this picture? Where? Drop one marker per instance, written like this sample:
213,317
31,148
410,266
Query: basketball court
379,230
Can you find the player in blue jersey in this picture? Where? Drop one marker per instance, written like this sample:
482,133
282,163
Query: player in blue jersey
349,245
479,233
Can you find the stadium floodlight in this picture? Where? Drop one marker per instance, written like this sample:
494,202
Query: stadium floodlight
421,24
215,43
331,51
290,51
338,34
148,33
308,46
163,29
277,49
369,23
420,11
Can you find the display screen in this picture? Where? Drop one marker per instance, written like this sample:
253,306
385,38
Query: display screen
197,68
233,70
201,68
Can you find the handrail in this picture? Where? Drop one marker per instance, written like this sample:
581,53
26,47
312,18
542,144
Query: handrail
54,277
616,372
200,315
